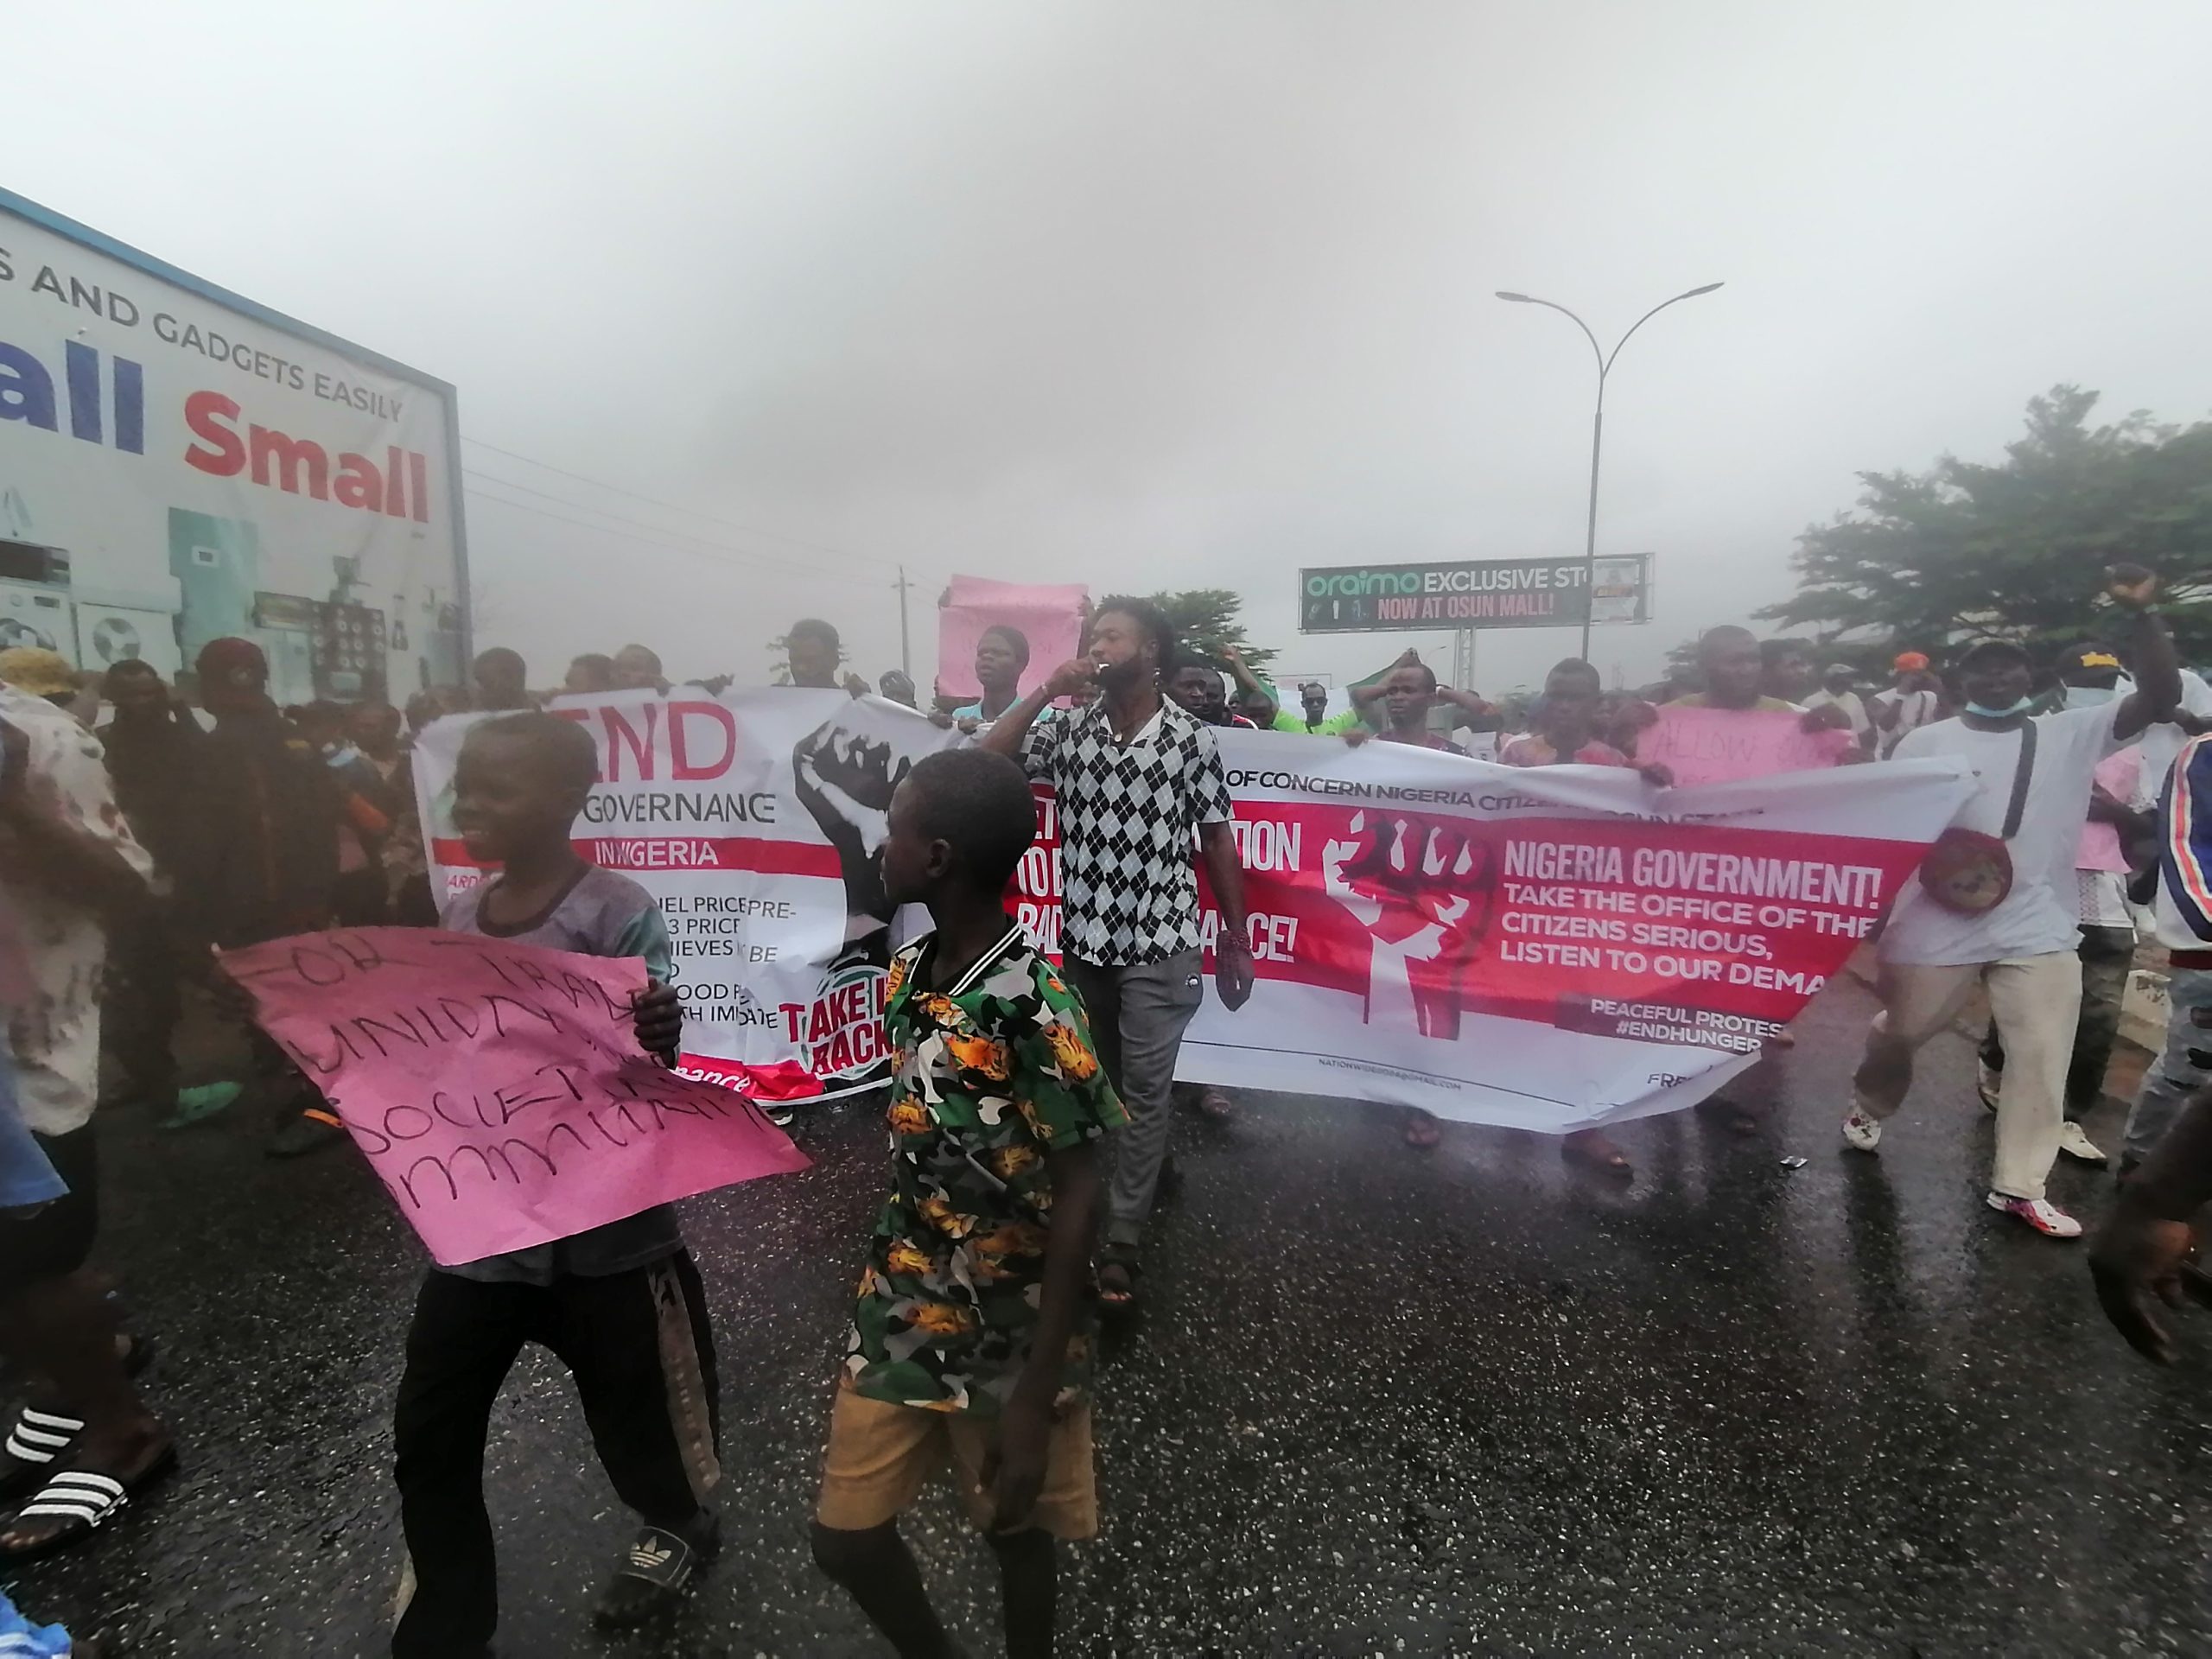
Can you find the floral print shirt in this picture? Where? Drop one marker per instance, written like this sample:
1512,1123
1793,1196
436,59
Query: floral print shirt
991,1074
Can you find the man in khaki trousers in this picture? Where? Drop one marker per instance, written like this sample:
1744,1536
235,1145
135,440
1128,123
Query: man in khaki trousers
1994,903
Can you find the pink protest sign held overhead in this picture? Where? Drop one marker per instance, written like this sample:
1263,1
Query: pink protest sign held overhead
497,1089
1049,617
1722,746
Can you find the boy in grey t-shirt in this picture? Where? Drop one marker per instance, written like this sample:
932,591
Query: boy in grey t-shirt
621,1305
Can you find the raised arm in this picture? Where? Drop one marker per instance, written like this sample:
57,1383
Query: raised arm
2151,653
1249,682
1006,735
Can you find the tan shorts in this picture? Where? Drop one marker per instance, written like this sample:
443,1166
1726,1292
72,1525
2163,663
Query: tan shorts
880,1454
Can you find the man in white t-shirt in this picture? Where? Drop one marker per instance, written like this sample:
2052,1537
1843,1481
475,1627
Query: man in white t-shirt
2013,842
1914,701
1836,691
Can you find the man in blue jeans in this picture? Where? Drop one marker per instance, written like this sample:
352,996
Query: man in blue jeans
1138,780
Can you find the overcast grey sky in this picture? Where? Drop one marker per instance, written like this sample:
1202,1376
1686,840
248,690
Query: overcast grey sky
1151,294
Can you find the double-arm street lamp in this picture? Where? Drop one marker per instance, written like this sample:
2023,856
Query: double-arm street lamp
1597,428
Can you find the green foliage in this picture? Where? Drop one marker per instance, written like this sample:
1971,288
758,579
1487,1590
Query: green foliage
1206,623
2017,549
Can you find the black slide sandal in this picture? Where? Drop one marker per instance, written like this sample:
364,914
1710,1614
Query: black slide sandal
657,1571
87,1499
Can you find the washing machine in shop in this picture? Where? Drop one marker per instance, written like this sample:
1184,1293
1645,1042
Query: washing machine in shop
35,608
117,625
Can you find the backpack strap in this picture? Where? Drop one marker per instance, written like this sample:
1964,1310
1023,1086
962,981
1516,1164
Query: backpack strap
2023,769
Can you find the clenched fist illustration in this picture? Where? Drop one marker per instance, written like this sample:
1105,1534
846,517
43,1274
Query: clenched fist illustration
1421,887
845,780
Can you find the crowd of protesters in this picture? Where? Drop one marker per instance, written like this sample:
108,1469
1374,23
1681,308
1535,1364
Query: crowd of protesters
139,830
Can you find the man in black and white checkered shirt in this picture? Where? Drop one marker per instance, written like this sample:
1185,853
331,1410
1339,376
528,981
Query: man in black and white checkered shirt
1138,780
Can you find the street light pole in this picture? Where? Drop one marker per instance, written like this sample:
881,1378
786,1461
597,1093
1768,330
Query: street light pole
1597,428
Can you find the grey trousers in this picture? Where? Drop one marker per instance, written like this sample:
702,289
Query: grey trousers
2185,1067
1137,1019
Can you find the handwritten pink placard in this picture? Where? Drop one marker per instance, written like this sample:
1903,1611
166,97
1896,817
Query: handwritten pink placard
1719,746
497,1089
1050,617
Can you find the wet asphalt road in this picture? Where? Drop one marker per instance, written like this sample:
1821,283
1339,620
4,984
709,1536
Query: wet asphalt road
1378,1403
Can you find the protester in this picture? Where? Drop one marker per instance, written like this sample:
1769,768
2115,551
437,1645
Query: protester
374,729
502,680
2148,1246
637,668
1622,717
1566,724
367,812
1399,704
1138,779
266,809
2182,914
813,653
898,685
595,672
620,1306
1786,671
41,673
1994,902
1404,696
1567,734
1837,681
155,750
69,869
2108,930
970,1342
1314,718
1001,655
1410,681
1916,699
1196,689
1734,672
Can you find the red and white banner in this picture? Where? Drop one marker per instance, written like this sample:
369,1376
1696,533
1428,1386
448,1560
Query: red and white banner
1540,948
755,818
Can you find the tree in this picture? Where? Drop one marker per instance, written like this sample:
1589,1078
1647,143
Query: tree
1205,623
2018,549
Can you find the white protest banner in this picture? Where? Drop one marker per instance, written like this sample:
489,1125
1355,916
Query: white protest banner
497,1089
754,818
1542,947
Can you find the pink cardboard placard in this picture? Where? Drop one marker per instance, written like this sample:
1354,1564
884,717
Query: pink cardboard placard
497,1089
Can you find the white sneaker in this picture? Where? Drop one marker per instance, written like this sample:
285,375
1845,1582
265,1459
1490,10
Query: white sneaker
1987,1081
1860,1132
2040,1214
2074,1142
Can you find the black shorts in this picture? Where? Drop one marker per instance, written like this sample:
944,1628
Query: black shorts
58,1239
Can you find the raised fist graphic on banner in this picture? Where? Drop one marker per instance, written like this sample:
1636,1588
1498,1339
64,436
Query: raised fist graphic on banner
845,780
1421,888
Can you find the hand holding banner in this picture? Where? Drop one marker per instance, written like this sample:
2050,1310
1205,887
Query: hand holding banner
497,1089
